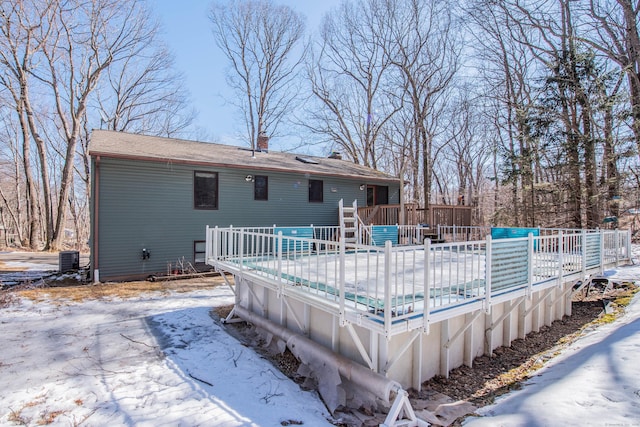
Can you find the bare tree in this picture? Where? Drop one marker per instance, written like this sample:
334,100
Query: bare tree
53,56
552,124
508,74
379,59
12,195
262,42
351,78
425,46
89,37
616,24
142,93
139,93
23,31
466,150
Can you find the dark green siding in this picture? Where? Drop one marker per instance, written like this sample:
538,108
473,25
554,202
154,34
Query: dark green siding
150,205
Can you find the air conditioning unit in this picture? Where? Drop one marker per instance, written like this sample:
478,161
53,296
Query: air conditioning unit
69,261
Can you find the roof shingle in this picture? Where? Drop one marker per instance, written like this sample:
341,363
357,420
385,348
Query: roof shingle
153,148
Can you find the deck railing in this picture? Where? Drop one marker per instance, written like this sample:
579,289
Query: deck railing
413,215
390,284
461,233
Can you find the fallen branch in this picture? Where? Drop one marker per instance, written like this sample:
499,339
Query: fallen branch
137,342
235,359
201,380
271,394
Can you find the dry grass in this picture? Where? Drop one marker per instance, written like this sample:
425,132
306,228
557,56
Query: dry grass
49,417
617,303
45,418
5,268
122,290
17,418
7,299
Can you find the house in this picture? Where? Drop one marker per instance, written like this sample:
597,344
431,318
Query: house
153,197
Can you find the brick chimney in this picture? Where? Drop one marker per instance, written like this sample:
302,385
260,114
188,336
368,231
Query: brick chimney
263,142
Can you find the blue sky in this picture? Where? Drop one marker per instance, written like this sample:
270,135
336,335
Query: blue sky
187,31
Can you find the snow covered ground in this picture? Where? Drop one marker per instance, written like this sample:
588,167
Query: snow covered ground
594,382
149,361
161,359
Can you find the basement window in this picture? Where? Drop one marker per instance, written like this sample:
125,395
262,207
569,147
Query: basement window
205,190
199,252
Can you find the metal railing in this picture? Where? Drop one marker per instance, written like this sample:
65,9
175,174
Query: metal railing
389,284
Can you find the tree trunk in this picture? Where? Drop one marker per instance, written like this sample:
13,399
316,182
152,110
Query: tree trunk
632,42
65,185
590,168
611,168
44,172
33,218
426,168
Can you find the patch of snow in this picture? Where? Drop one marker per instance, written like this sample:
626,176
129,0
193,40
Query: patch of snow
151,360
594,382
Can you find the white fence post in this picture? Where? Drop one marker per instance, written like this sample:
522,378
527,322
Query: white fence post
208,243
342,275
241,248
602,247
218,251
560,250
616,245
530,264
230,244
584,253
427,286
279,261
216,243
387,289
487,276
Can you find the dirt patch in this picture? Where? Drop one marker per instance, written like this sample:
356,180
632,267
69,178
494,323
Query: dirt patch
494,375
508,367
223,311
74,290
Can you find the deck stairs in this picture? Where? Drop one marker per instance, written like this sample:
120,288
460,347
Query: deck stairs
432,235
349,224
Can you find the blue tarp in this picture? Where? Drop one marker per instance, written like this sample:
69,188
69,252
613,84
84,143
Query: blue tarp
512,232
289,245
381,233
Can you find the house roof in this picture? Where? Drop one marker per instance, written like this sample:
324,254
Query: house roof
154,148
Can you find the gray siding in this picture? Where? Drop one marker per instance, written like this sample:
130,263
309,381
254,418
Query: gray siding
150,205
